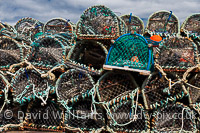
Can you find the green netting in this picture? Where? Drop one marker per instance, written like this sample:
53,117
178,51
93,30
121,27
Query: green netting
177,54
134,23
174,118
99,22
163,22
132,51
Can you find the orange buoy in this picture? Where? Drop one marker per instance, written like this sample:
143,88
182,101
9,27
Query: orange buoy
156,38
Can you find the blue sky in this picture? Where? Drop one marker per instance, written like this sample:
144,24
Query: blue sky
12,10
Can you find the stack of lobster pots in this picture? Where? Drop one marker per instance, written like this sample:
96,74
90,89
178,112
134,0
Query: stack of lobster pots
106,73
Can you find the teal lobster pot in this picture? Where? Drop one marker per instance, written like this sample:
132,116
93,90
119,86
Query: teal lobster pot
130,52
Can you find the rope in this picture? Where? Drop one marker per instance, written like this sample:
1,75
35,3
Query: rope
50,74
162,72
11,125
182,120
46,92
73,129
189,70
6,101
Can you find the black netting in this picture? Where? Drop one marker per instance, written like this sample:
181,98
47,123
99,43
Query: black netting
89,120
192,24
98,22
44,117
73,83
162,21
59,25
172,117
28,29
24,82
134,23
114,84
10,52
47,52
178,54
89,53
123,114
157,91
195,93
11,115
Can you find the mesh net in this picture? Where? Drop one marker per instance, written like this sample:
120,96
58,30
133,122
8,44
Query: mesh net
195,93
10,115
172,117
10,52
27,81
157,92
49,118
87,55
97,22
178,54
73,83
80,116
130,50
8,30
134,23
115,84
163,22
58,25
192,24
47,52
28,28
122,114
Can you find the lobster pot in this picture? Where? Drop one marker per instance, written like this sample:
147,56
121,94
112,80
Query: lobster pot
79,115
10,117
191,26
115,84
28,85
58,25
49,116
10,52
28,29
194,96
98,22
88,56
62,29
174,118
123,120
163,22
3,84
8,30
73,83
134,23
157,92
178,54
130,52
47,52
